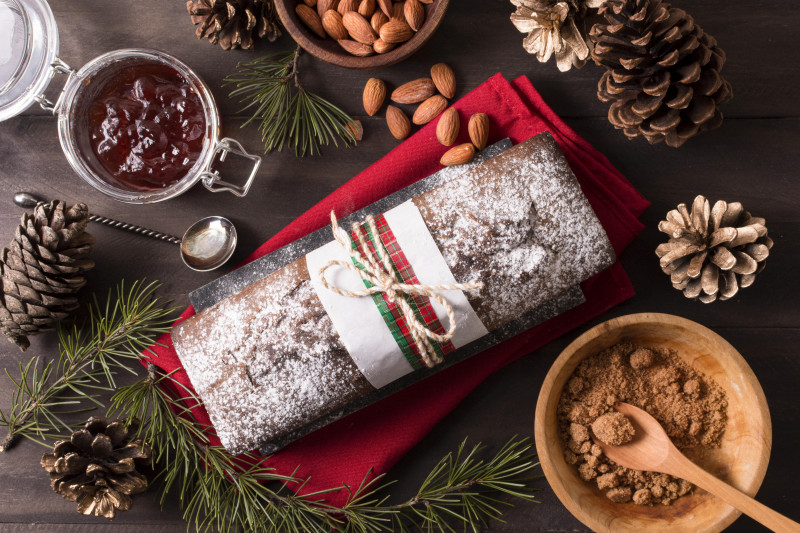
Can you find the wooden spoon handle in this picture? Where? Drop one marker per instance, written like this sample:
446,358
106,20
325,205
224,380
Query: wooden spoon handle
755,510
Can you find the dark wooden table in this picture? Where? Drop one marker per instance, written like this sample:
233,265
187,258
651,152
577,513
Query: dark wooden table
754,158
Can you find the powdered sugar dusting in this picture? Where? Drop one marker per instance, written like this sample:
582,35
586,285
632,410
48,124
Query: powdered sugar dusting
269,364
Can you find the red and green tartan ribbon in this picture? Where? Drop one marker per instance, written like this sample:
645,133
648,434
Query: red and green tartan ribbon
390,312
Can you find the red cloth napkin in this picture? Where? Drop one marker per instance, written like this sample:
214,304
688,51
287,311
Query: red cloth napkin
378,436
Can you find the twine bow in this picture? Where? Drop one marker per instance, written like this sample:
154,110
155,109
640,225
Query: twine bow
382,277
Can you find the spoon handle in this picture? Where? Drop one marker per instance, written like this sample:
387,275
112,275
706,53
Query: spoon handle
135,229
755,510
28,200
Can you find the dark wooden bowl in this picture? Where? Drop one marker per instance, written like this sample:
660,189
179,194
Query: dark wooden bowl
330,51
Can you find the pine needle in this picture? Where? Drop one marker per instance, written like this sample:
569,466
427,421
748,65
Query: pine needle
287,114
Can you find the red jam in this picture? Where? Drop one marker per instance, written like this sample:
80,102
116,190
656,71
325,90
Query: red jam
147,127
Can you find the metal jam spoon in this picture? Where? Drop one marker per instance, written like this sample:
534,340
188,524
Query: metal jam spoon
206,245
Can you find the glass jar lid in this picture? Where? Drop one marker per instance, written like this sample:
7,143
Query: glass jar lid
28,48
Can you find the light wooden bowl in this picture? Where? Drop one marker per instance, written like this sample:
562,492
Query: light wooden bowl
741,460
330,51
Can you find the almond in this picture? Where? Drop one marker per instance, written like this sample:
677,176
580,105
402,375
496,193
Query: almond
374,95
414,92
366,8
426,1
310,18
458,155
382,46
429,109
332,22
397,11
325,5
356,48
444,79
395,31
347,5
379,18
310,3
357,129
414,13
358,27
478,129
386,7
448,126
398,122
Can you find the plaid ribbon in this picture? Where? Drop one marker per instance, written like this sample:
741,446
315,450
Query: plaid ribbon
390,312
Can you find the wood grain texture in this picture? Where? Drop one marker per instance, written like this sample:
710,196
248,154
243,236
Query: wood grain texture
741,459
752,158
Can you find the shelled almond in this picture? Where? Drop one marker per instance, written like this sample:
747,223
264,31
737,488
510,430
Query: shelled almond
380,25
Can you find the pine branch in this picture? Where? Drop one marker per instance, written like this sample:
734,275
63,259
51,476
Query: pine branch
287,113
88,359
217,491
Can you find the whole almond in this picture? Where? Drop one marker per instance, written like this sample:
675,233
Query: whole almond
378,19
325,5
414,13
429,109
356,48
426,1
310,18
398,9
366,8
374,95
332,22
448,126
347,5
445,79
386,7
458,155
310,3
395,31
398,122
414,91
358,27
478,129
382,46
357,129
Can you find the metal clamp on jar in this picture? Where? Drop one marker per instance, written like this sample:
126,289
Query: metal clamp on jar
134,139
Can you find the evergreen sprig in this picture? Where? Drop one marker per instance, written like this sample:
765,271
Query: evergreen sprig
287,113
220,492
89,357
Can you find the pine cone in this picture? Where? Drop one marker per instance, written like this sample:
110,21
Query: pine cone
713,252
554,27
663,78
97,467
234,23
43,268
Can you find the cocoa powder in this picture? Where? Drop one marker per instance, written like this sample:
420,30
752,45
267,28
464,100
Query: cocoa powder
690,407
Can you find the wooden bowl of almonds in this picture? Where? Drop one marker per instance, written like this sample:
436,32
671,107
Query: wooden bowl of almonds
361,34
689,378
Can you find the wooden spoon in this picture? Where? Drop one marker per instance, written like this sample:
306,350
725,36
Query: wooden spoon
651,449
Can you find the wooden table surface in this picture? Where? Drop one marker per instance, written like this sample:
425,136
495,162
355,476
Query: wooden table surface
754,158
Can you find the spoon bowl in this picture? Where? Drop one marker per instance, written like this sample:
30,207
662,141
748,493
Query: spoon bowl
208,243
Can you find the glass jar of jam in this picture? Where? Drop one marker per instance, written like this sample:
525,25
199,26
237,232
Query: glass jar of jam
138,125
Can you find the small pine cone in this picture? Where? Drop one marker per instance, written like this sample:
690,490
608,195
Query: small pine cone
663,72
234,23
713,252
43,268
97,467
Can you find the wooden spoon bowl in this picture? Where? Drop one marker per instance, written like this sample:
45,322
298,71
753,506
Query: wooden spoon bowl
740,461
330,51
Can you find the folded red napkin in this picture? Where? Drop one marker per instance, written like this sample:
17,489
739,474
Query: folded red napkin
378,436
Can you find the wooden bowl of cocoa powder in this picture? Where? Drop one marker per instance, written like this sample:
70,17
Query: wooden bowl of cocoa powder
739,455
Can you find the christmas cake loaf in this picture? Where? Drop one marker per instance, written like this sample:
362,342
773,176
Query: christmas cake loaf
484,248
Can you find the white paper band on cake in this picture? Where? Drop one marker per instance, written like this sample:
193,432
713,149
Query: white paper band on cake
358,321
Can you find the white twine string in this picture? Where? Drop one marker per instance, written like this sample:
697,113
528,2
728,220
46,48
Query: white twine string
381,275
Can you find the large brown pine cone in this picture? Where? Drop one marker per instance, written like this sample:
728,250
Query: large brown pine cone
712,252
43,268
663,79
97,467
234,23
